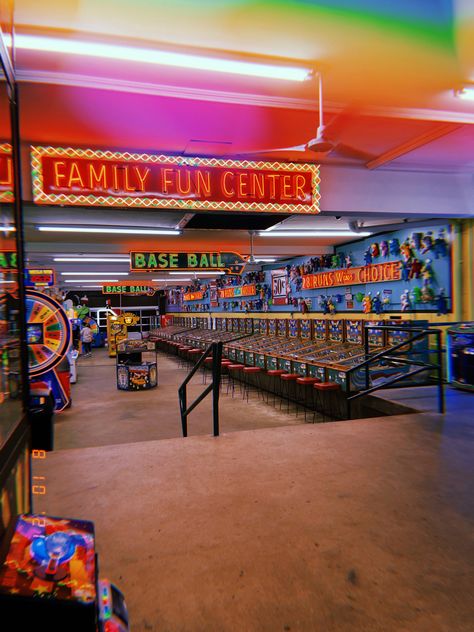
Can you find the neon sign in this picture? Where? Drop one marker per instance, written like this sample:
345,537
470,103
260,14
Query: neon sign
106,178
148,261
375,273
131,289
6,173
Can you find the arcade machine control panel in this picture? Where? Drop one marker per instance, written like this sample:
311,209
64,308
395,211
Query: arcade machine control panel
48,577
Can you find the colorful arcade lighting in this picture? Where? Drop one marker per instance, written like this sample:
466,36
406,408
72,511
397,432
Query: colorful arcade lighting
160,58
107,230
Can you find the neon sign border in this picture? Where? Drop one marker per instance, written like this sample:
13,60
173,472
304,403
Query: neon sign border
39,197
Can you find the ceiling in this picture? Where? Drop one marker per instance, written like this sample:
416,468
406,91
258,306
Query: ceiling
389,69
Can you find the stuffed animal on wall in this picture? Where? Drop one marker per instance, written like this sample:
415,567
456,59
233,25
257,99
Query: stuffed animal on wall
367,303
359,297
394,247
335,261
384,248
406,251
323,304
374,250
406,269
367,257
427,272
405,301
415,270
440,246
427,294
304,306
377,306
416,240
386,300
348,261
427,242
442,302
416,292
331,306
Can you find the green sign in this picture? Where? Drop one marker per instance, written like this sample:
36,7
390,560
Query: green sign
128,288
231,262
8,260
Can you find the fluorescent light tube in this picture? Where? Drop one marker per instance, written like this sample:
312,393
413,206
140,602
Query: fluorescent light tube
7,229
161,58
313,233
264,260
89,280
92,259
94,274
108,230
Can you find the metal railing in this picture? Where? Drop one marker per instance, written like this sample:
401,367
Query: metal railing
216,350
390,356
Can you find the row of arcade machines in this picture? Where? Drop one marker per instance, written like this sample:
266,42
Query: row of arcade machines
327,349
460,352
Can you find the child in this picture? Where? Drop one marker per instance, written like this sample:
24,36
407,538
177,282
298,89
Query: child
86,337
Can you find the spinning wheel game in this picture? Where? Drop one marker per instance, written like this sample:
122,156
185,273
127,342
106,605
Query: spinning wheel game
49,337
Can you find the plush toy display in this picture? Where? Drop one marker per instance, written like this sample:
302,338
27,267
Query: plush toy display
406,269
394,247
348,261
384,248
367,303
331,306
427,242
416,240
374,250
405,301
442,302
416,292
415,269
368,257
377,306
440,246
406,251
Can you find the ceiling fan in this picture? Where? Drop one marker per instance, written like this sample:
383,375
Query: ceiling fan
252,265
325,141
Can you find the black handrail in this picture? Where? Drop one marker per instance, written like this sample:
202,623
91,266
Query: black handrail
216,349
385,355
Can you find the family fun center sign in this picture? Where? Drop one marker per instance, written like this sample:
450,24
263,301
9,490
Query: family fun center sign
86,177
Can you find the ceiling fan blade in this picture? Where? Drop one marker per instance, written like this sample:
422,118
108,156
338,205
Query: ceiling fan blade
271,151
352,152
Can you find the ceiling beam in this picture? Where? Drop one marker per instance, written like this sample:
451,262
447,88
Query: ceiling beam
411,145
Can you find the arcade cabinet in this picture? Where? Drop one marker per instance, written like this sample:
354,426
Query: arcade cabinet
460,356
137,368
49,579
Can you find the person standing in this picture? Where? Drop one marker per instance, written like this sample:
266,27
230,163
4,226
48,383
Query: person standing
86,337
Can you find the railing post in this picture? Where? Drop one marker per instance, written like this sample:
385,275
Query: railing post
216,382
366,349
441,406
348,393
183,405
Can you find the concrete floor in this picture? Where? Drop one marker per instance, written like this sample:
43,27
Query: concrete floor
103,415
352,526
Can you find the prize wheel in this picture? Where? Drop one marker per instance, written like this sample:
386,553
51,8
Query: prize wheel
48,332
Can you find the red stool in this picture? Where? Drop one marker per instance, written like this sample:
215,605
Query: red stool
247,372
289,379
306,382
275,383
333,401
234,371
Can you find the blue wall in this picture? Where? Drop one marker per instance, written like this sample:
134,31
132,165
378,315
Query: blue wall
440,263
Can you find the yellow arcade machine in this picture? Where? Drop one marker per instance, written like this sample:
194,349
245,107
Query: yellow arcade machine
117,329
